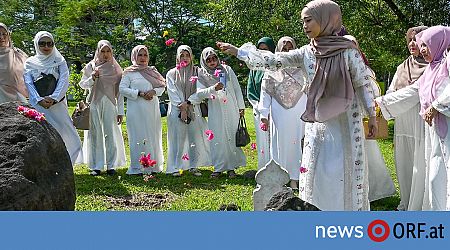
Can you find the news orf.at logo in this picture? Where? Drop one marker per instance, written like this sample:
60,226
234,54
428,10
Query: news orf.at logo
379,231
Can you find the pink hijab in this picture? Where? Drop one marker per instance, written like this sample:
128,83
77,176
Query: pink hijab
110,74
437,39
11,70
151,74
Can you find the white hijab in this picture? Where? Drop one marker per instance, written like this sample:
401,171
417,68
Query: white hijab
40,63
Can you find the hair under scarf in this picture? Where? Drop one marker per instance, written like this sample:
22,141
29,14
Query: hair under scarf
206,74
267,41
11,69
40,63
110,74
413,67
283,85
437,39
331,90
150,74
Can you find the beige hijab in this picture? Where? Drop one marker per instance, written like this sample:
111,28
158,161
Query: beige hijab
11,70
151,74
206,74
110,75
284,85
413,67
331,91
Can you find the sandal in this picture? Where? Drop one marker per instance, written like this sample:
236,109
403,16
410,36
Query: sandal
215,174
95,172
231,174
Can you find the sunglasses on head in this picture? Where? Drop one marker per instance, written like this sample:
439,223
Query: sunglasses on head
48,44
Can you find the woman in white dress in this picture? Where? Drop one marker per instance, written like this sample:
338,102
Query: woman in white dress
334,167
103,142
188,148
225,106
380,182
409,130
12,86
432,90
282,102
48,63
141,85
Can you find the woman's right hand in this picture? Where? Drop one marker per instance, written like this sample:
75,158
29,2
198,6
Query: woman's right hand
45,103
184,116
227,48
95,74
218,86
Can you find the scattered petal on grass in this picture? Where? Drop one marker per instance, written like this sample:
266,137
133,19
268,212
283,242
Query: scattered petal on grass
253,146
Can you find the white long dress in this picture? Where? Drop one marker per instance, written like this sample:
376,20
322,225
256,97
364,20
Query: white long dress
223,119
187,144
58,114
435,171
409,142
103,142
286,132
334,159
143,122
262,137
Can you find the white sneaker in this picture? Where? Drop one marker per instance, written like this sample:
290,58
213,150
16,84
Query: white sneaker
176,174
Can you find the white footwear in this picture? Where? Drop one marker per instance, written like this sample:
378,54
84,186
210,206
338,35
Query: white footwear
176,174
195,172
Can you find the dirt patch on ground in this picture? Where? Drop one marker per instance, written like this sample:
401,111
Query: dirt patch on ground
139,201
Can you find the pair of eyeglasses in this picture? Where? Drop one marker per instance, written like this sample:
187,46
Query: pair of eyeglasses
211,59
48,44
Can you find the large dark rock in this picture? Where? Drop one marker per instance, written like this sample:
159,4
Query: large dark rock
285,200
35,169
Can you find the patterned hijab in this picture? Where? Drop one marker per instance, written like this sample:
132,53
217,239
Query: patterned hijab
110,74
11,70
283,85
413,67
206,74
437,39
40,63
331,90
151,74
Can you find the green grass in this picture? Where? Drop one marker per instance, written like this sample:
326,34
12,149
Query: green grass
123,192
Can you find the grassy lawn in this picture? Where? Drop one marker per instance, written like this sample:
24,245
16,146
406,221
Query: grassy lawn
123,192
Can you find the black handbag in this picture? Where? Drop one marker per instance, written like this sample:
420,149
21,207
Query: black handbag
242,136
45,84
204,109
163,108
80,116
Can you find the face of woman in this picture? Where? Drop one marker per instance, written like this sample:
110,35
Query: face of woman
4,38
185,56
105,53
212,61
425,51
311,27
46,45
263,46
413,46
287,46
142,57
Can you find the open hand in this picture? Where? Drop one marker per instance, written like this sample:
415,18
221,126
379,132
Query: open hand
227,48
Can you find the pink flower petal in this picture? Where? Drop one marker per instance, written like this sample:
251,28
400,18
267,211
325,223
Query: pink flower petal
213,97
263,126
209,134
170,41
193,79
303,170
185,157
224,100
253,146
217,72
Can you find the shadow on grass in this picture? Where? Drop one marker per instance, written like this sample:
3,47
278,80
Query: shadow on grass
161,183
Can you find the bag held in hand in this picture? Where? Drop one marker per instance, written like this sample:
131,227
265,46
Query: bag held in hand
242,136
45,84
80,116
383,130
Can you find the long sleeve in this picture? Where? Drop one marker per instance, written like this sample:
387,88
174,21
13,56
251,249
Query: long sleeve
398,102
86,80
120,105
172,91
266,60
63,83
264,104
126,90
236,88
33,94
362,80
442,103
160,91
391,87
202,93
